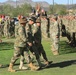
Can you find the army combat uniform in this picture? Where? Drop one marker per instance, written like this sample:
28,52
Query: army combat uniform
44,27
55,33
38,38
33,49
20,47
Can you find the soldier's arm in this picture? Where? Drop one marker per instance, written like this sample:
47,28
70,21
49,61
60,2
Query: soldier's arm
34,29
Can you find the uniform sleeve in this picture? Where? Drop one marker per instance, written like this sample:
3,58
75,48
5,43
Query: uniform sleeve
34,29
21,33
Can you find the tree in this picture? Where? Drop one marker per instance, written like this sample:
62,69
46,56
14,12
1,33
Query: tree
58,9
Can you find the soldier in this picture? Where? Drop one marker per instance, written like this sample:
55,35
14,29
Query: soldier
44,26
12,27
67,23
6,27
38,37
20,47
55,33
30,39
72,32
0,32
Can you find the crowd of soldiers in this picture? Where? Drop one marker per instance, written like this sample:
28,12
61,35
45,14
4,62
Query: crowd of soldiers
7,27
29,32
68,24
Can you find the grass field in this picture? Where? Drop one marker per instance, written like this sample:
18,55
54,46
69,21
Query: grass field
63,64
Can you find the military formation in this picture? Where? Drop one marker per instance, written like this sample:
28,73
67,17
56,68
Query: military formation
69,29
29,32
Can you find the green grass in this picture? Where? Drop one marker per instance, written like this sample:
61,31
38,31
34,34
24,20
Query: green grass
63,64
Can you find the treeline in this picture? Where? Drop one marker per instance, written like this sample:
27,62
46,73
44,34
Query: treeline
58,9
26,9
14,11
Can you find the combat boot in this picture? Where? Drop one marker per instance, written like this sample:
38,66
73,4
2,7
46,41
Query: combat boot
10,69
55,52
21,67
46,63
33,67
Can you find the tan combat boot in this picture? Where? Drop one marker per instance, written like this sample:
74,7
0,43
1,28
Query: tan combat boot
10,69
21,67
55,52
46,62
33,67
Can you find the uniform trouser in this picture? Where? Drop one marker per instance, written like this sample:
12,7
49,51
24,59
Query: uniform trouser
41,51
20,51
55,43
34,50
36,53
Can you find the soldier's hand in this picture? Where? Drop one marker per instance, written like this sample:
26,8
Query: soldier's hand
30,44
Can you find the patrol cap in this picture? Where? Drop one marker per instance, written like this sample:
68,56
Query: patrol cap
23,20
38,21
32,19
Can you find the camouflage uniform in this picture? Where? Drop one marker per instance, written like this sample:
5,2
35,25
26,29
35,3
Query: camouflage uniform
0,30
21,48
38,37
67,24
20,45
12,27
72,32
6,28
75,30
30,39
44,23
55,33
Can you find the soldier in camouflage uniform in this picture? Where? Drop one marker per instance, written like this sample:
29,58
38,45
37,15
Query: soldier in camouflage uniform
0,32
30,30
44,26
20,47
72,31
66,22
55,33
38,37
75,28
6,27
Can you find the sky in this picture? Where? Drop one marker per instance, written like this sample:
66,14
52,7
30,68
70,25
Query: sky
51,1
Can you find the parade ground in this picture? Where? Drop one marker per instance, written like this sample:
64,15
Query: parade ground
63,64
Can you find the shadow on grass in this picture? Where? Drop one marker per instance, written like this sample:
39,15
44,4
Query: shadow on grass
66,48
6,46
53,65
62,64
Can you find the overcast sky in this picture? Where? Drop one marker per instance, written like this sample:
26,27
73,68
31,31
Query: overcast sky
50,1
